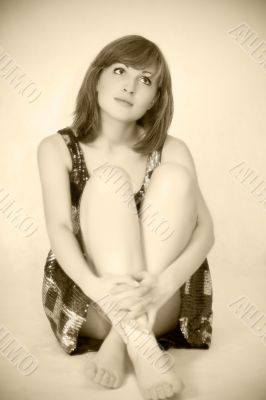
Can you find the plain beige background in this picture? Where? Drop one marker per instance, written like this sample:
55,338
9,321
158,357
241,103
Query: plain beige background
219,93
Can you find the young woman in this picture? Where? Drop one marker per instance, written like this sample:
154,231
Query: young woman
127,223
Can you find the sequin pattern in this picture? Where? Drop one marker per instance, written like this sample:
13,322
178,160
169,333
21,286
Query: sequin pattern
66,305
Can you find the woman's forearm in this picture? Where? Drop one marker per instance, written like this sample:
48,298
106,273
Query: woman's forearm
69,255
191,258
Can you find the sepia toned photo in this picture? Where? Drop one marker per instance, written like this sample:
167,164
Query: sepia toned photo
133,199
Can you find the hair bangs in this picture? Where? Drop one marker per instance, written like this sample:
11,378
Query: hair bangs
138,53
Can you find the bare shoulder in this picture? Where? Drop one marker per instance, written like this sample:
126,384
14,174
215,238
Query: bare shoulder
53,149
176,151
173,144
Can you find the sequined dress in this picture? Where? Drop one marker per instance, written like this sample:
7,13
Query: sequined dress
66,305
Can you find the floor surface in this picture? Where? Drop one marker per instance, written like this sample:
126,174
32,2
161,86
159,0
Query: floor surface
232,369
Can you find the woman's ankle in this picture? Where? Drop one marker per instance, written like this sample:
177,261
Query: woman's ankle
115,336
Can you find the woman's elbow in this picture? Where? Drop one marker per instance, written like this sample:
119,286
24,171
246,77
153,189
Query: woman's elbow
56,231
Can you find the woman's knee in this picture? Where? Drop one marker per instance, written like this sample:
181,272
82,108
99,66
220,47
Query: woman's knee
111,174
107,180
173,176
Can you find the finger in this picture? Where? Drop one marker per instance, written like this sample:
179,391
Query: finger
139,309
127,304
139,274
135,315
151,317
120,288
144,303
123,292
140,292
125,307
133,303
149,280
125,279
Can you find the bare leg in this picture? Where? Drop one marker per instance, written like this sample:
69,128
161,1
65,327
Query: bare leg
167,219
112,241
166,228
123,247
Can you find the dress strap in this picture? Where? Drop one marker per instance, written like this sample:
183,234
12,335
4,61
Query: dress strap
153,162
79,164
155,159
73,147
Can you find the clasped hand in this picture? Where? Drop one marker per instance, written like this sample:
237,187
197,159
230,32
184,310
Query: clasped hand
148,297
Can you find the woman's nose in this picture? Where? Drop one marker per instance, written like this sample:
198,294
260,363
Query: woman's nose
129,86
129,91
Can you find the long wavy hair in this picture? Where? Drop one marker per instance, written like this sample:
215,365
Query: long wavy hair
137,52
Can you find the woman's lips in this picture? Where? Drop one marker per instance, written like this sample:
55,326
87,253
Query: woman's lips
125,102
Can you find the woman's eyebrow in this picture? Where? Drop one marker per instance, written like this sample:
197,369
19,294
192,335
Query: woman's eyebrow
143,72
147,72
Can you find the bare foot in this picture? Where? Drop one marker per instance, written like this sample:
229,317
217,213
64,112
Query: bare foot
108,366
155,370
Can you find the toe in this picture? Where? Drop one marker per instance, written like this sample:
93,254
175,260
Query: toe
146,394
90,370
168,390
118,381
153,393
111,381
105,379
160,392
178,386
99,375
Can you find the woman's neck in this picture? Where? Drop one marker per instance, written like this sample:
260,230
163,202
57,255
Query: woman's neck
116,134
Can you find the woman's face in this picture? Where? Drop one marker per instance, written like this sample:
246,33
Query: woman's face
136,87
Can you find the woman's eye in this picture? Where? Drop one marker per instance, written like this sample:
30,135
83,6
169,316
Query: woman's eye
118,69
147,80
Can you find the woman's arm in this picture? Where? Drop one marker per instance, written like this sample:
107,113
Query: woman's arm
202,238
54,177
54,165
192,256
